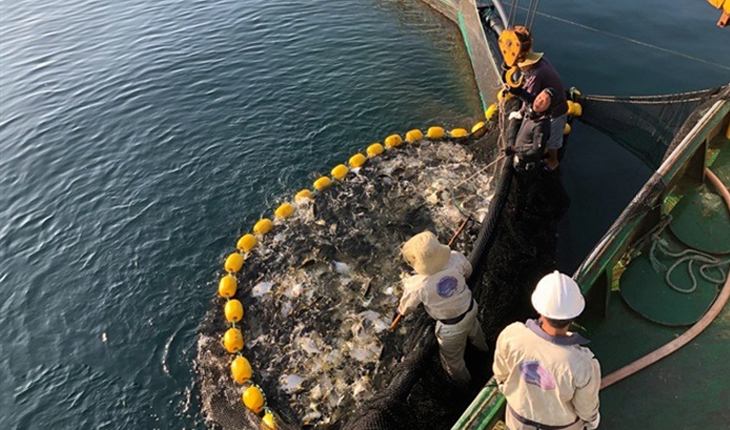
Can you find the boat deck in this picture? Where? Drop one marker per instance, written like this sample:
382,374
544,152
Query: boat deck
670,393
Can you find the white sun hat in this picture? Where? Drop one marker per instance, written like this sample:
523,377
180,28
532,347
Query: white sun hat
557,296
425,253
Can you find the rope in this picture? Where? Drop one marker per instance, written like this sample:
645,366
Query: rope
479,171
453,189
690,334
458,206
636,41
659,244
513,13
692,256
531,13
664,99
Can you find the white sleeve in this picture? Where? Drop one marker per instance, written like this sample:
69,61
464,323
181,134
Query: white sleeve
499,365
585,399
410,300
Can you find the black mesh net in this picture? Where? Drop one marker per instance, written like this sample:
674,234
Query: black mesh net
644,125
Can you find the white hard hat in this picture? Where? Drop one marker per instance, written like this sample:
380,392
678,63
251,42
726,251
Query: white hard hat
425,254
557,296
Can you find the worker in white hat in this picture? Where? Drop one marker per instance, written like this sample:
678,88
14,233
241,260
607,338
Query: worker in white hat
549,379
440,284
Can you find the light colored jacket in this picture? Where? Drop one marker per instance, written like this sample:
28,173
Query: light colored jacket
547,379
444,294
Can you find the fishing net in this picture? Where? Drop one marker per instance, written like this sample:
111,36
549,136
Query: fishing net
644,125
320,291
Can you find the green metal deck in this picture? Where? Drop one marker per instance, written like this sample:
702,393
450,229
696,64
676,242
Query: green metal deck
690,389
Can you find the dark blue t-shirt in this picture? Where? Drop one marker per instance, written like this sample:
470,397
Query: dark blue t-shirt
543,75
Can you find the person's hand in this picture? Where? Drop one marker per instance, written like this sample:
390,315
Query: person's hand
504,92
515,115
510,150
551,164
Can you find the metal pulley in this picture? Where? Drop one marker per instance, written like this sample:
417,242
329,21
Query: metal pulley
511,48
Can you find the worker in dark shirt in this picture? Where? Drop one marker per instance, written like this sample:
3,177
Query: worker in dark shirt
538,75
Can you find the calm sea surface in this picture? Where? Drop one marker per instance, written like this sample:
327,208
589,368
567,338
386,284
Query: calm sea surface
138,139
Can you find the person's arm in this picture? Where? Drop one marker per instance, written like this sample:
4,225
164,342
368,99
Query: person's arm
410,300
552,161
540,137
585,399
499,365
525,96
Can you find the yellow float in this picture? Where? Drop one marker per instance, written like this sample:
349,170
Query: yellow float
479,130
263,226
322,183
414,135
503,96
284,210
227,286
241,370
247,242
253,398
303,194
339,172
574,109
375,149
435,133
357,160
234,262
233,340
491,111
233,311
269,421
393,140
458,132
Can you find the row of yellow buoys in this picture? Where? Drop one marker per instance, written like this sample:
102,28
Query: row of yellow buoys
253,396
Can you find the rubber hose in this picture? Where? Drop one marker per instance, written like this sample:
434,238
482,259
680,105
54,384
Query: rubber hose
487,233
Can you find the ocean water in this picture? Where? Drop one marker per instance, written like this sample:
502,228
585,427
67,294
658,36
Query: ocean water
138,140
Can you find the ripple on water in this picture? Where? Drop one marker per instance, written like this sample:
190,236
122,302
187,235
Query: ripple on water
138,139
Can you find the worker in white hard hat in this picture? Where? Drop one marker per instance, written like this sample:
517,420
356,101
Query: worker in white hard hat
440,284
549,379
